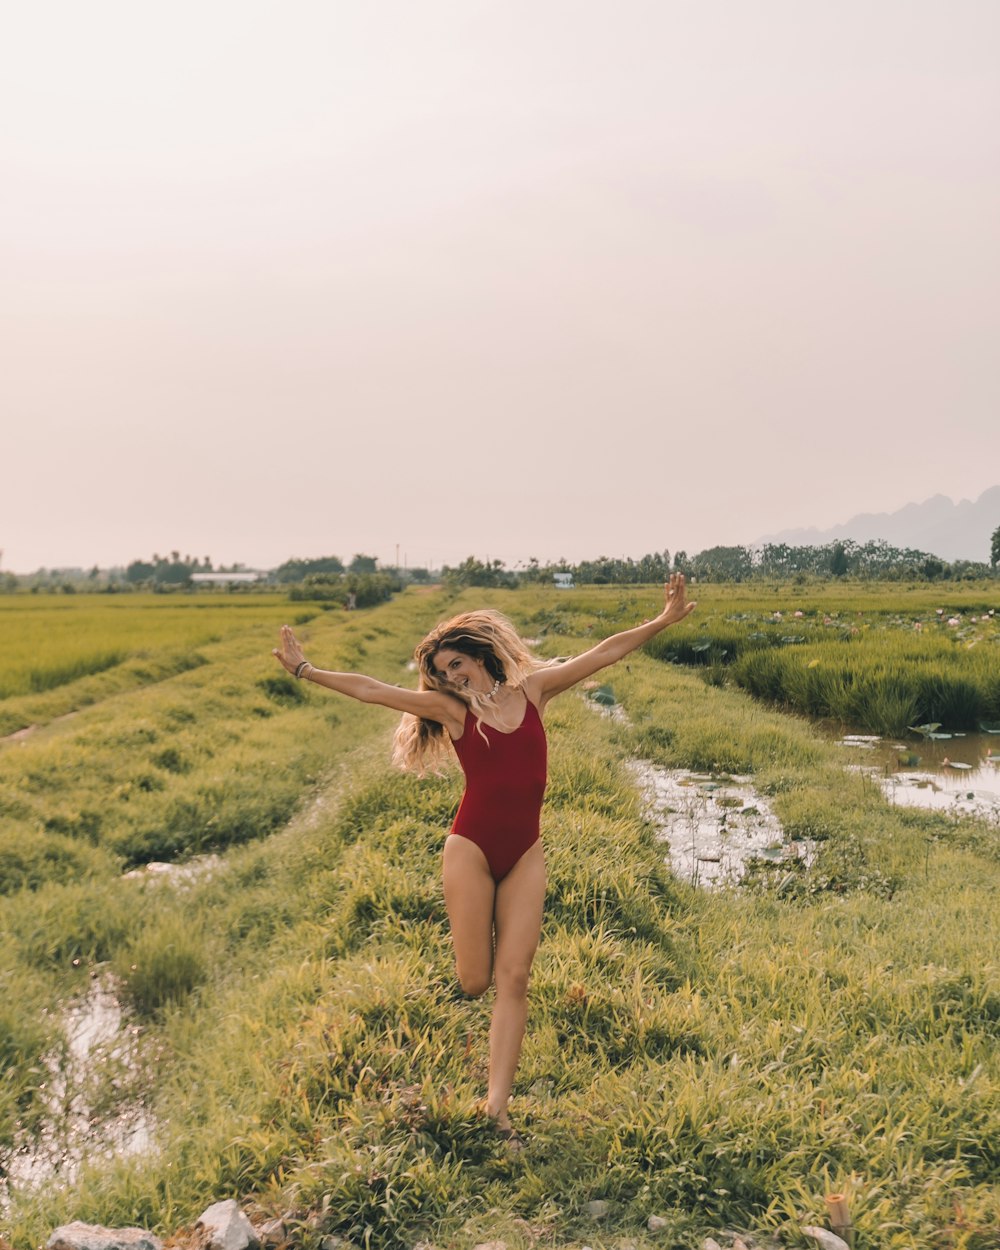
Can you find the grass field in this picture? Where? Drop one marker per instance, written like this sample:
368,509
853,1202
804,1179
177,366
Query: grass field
892,657
59,653
722,1059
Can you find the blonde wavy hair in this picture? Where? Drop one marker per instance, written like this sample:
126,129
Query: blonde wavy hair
421,745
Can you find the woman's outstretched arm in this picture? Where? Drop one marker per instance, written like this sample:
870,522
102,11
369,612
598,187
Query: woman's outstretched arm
430,704
548,682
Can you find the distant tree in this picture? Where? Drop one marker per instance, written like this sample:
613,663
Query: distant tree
296,570
420,575
723,564
173,574
473,572
371,588
363,564
603,571
838,560
968,570
139,571
681,563
995,548
367,589
533,571
654,567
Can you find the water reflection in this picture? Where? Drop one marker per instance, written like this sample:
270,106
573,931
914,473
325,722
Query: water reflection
959,773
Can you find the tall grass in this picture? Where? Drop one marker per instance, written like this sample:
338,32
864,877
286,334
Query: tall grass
878,661
881,685
722,1060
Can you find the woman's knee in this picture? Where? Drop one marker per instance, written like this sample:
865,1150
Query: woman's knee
474,982
513,978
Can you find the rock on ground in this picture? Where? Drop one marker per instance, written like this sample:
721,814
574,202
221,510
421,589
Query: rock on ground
77,1236
227,1227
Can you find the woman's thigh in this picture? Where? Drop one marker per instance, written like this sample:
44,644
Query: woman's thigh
518,914
469,894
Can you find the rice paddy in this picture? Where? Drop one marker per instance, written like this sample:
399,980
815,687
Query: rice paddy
905,658
721,1059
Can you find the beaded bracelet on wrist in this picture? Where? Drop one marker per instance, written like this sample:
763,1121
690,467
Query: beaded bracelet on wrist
300,666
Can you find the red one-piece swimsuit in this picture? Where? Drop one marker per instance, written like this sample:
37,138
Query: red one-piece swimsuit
505,775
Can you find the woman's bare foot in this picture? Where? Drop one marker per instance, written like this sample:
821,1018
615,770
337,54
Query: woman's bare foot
503,1128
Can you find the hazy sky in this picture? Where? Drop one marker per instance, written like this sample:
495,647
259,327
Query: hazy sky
513,279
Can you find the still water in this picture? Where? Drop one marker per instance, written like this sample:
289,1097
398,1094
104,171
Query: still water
960,773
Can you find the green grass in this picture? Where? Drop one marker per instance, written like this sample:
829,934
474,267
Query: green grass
720,1059
58,653
906,656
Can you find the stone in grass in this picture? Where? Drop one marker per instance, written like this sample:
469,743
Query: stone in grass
656,1223
710,1244
490,1245
597,1209
227,1227
272,1232
77,1236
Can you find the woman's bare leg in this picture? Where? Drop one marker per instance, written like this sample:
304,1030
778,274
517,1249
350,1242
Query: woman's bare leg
469,894
518,920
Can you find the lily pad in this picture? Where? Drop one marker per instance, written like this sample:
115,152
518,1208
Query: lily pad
989,727
956,764
925,731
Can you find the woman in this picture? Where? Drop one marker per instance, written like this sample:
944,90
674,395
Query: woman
483,694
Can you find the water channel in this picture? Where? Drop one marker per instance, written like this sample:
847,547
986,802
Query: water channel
957,773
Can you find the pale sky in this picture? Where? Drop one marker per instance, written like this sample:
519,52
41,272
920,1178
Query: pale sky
558,278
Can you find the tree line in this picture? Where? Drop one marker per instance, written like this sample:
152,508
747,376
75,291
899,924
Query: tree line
363,581
873,560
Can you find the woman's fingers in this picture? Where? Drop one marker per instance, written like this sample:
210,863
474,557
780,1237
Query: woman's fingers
289,652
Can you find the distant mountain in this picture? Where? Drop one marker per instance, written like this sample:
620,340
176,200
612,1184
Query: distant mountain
953,531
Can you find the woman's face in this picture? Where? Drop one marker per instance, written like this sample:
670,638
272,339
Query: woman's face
458,669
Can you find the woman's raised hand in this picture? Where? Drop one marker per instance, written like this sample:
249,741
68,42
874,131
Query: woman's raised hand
288,653
676,607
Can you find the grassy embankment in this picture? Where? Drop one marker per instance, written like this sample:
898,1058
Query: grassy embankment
721,1059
